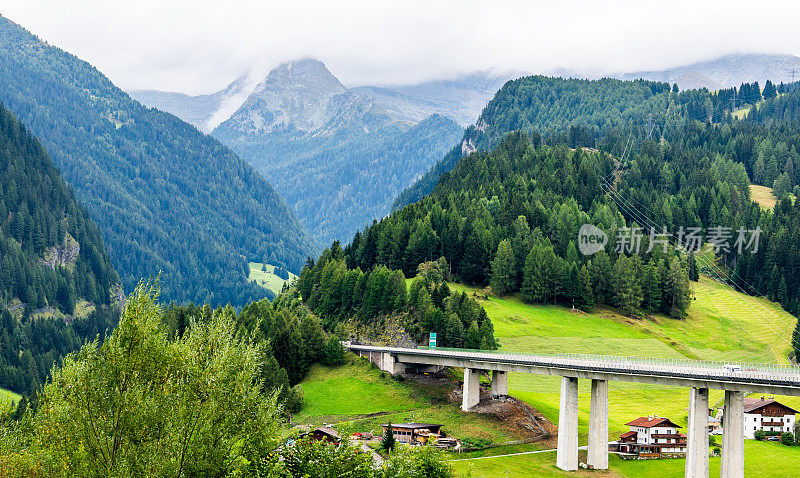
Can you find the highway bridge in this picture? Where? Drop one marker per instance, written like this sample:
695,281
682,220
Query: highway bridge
737,380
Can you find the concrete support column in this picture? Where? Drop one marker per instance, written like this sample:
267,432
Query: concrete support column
472,386
567,452
697,434
733,435
390,365
499,383
598,426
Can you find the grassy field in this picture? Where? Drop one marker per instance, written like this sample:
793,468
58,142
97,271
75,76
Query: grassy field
720,326
763,196
364,397
355,389
7,396
762,459
267,279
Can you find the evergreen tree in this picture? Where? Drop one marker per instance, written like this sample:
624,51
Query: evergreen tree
504,271
769,91
585,299
388,441
691,262
679,292
473,338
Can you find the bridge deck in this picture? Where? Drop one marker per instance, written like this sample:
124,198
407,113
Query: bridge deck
765,378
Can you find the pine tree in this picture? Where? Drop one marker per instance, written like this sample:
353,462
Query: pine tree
691,263
769,90
585,300
488,342
504,270
678,288
388,441
473,338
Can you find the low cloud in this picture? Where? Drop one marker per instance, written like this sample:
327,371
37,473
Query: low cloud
200,46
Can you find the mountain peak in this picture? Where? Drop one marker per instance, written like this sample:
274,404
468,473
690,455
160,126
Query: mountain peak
300,94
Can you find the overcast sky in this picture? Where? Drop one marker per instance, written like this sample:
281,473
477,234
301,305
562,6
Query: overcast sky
198,46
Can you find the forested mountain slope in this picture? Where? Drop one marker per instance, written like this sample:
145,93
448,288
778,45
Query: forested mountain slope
52,256
336,157
549,105
166,197
610,114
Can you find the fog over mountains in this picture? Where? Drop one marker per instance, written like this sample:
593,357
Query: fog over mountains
337,156
461,98
727,71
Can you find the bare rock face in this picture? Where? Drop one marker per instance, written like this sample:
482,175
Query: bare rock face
299,95
63,255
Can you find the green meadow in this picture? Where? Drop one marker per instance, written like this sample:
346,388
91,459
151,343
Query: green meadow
722,325
267,278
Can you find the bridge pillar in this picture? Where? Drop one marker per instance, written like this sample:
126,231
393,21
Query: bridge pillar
390,365
472,388
697,434
733,435
567,452
499,383
598,426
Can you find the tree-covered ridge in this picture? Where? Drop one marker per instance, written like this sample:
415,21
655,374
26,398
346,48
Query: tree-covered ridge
510,218
547,105
166,198
579,112
51,252
339,294
52,255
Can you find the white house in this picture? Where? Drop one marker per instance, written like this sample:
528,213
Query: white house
651,437
767,415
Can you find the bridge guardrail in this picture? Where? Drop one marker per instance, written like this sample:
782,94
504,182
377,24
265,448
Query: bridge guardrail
778,374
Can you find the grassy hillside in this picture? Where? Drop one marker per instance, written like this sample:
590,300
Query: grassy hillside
7,396
364,397
718,328
267,279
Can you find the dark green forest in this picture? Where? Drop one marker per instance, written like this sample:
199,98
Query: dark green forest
590,113
165,197
41,216
338,293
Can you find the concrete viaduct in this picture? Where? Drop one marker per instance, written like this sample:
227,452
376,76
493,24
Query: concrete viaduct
698,376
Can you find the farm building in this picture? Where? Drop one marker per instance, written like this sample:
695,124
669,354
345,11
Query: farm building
414,433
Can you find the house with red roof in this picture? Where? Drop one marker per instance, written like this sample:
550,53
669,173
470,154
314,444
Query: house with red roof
653,437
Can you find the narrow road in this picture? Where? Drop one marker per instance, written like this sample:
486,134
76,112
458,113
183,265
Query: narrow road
377,458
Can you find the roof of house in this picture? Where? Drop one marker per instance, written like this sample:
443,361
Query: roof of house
648,422
327,431
627,434
752,404
413,426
